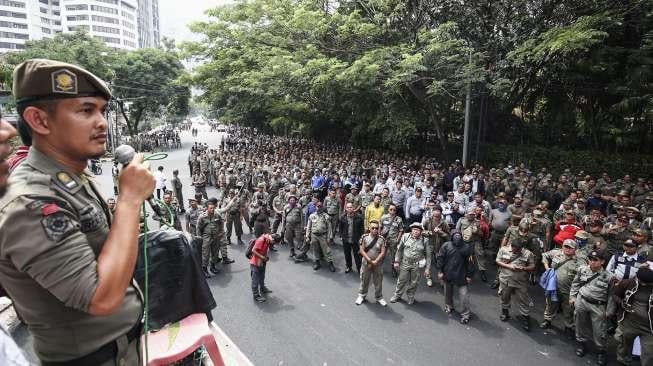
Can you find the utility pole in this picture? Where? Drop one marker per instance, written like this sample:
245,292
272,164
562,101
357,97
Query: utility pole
468,103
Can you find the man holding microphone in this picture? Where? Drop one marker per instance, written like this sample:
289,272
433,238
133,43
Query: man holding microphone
65,260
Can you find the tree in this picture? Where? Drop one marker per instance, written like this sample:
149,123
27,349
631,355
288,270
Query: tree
146,80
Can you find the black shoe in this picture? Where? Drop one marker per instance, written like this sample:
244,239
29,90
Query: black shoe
505,315
266,290
348,269
317,265
483,276
292,253
464,320
494,285
214,269
219,260
545,324
332,268
228,260
526,323
206,273
240,242
259,298
600,358
301,258
580,349
274,249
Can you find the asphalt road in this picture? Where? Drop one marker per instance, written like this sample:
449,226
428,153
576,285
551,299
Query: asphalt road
311,318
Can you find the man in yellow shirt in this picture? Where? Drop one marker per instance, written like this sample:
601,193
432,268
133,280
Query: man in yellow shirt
373,212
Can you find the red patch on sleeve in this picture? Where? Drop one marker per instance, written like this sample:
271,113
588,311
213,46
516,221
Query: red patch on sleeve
49,209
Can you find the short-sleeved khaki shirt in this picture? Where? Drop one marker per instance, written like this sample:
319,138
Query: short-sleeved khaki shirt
53,224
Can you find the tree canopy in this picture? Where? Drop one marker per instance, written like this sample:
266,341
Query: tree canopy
150,83
573,74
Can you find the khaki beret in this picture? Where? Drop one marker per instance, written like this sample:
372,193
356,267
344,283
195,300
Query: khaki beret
39,79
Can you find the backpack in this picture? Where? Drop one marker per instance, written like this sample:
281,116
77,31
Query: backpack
250,248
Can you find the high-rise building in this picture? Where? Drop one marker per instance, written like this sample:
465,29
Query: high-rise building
116,22
148,23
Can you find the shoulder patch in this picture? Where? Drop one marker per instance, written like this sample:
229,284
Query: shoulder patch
57,226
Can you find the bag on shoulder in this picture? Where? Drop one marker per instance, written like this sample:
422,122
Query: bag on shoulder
250,248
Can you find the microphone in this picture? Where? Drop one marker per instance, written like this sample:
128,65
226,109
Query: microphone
124,155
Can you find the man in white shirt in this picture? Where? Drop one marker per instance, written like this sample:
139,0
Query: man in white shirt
160,182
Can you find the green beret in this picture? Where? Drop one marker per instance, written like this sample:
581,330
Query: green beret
39,79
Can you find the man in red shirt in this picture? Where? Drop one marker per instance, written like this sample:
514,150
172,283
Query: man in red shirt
258,262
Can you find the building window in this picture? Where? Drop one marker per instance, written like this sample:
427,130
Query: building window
77,7
46,21
128,34
127,15
13,35
127,24
55,3
44,10
99,28
99,18
75,28
76,18
46,30
57,22
56,12
11,46
14,4
104,9
46,2
112,2
4,24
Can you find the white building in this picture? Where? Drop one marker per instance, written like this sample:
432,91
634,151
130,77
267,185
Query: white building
148,23
116,22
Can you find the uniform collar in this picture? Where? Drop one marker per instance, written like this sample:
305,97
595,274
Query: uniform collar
62,176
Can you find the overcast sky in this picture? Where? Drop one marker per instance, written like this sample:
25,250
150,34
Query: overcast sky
177,14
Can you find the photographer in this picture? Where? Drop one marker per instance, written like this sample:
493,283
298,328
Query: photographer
71,277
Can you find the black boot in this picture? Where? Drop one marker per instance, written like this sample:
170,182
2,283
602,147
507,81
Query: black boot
265,290
301,258
580,349
600,358
494,284
227,260
332,268
526,323
483,276
206,273
214,269
292,252
317,265
545,324
259,298
240,241
505,315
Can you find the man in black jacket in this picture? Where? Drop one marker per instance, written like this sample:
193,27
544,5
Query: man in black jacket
351,230
456,267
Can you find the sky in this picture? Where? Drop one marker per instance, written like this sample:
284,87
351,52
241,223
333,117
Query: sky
177,14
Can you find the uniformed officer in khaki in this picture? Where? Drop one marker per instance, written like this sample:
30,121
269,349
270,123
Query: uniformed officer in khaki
210,227
71,277
320,234
391,229
372,250
292,224
591,295
333,209
565,264
515,263
413,256
234,216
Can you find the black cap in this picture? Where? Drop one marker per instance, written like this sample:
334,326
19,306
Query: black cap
596,254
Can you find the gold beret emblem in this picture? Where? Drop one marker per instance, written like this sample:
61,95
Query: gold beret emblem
64,81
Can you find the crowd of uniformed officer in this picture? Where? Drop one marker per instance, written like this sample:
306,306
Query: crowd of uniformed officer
578,236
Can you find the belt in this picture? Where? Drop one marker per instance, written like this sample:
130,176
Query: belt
593,301
105,353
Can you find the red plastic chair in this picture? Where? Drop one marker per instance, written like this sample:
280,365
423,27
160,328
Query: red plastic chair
176,341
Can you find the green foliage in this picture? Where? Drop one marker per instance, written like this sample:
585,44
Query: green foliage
383,72
152,83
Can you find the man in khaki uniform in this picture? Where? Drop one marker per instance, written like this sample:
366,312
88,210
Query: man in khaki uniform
372,250
332,208
515,263
413,255
565,264
71,277
591,295
391,229
320,234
